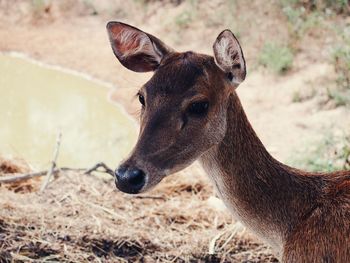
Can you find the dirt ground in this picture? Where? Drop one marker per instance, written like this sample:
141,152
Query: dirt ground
83,218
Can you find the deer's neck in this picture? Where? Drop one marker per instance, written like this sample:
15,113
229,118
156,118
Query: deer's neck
267,196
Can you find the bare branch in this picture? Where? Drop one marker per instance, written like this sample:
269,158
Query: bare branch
97,166
53,165
22,177
149,197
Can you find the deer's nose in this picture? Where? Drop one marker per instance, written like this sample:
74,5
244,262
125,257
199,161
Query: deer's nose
130,180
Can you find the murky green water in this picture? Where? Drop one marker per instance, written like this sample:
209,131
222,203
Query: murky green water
37,102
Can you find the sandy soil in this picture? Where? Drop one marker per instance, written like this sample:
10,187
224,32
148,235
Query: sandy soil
84,218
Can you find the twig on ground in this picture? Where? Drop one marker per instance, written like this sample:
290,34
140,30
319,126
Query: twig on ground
236,228
53,164
96,168
21,257
149,197
22,177
212,243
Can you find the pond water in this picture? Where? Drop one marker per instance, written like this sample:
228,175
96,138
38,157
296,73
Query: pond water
37,102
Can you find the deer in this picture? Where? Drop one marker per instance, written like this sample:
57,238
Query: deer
190,111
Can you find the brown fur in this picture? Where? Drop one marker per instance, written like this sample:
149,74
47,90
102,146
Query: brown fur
305,217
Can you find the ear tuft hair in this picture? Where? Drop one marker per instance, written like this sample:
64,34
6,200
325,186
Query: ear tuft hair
229,56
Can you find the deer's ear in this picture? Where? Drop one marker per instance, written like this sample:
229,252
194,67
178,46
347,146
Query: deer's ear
229,56
135,49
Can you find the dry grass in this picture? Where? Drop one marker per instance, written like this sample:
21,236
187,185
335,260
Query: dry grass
83,218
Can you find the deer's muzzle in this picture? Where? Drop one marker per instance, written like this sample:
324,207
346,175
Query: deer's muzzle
130,179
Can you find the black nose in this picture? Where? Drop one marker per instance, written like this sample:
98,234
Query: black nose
129,180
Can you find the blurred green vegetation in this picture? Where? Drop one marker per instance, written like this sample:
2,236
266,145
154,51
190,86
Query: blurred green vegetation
341,60
299,22
337,6
184,19
340,92
40,6
90,4
305,94
331,153
276,57
305,15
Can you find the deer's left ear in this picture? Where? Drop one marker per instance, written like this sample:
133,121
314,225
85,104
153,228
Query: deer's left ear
229,56
135,49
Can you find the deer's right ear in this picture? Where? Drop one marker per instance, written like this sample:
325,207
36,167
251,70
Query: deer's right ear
229,56
135,49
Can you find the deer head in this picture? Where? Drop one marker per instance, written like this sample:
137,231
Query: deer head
183,106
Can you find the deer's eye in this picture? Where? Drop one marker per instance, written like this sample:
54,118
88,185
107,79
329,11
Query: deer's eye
198,108
142,99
